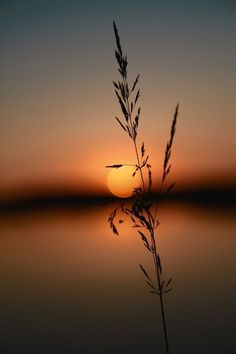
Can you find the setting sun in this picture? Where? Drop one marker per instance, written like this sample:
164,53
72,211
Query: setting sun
121,181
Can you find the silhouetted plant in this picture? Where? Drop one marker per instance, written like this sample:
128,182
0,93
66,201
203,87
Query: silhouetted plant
143,212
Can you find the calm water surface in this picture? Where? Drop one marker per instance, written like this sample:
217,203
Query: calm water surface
69,286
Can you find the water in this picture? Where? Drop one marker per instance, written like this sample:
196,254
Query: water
69,286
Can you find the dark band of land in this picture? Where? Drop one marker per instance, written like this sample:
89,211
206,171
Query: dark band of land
217,197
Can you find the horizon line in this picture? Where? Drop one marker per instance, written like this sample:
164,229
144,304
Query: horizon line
215,196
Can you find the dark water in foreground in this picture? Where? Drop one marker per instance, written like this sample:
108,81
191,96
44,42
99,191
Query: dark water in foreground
69,286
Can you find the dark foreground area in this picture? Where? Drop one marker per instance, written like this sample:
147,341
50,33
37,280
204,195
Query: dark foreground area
69,286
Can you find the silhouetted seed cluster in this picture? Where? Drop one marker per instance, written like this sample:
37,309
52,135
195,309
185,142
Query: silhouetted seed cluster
123,93
166,165
111,221
143,212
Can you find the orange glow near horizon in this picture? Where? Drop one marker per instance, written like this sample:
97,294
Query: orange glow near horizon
58,104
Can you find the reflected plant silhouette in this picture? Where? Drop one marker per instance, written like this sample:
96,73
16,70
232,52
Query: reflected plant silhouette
143,211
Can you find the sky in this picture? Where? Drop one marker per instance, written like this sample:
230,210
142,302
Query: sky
57,103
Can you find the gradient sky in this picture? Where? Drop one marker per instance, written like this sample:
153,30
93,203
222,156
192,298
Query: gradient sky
56,97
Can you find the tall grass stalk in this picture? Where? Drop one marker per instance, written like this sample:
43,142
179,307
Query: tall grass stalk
144,211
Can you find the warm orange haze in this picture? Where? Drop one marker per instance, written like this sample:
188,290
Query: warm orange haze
68,283
98,253
57,110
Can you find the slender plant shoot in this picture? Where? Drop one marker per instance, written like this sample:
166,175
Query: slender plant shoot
143,212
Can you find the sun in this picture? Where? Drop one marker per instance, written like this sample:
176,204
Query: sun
121,182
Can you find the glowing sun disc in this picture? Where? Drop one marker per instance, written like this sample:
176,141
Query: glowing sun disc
121,182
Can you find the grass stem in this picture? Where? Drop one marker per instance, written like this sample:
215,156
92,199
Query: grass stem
143,212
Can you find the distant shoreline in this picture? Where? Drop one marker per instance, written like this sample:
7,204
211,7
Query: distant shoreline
220,198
